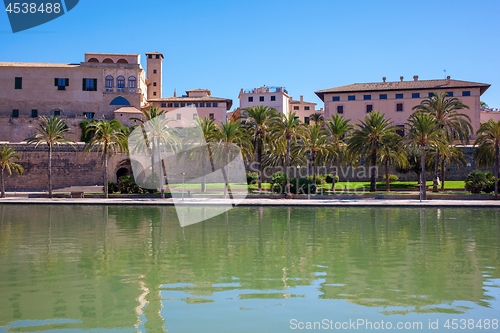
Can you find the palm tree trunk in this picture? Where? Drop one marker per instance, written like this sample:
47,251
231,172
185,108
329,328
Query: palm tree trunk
3,185
334,174
49,173
160,173
105,175
422,175
496,168
442,175
287,190
436,171
203,187
373,186
387,185
259,160
313,165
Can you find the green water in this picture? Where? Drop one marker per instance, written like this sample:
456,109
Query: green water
131,269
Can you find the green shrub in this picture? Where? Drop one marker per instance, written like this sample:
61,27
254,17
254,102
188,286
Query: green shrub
127,186
278,182
392,178
112,188
302,186
329,179
476,181
490,182
252,178
320,180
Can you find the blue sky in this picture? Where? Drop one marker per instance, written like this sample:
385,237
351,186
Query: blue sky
303,45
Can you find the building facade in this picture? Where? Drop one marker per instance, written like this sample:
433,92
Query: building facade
303,110
396,99
274,97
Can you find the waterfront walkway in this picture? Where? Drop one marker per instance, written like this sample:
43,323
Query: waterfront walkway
256,202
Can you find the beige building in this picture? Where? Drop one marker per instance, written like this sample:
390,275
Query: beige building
203,104
274,97
487,114
396,99
303,110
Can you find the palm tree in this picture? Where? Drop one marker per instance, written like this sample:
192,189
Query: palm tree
231,132
449,154
394,154
7,156
108,139
52,131
259,120
338,128
453,124
488,141
290,128
424,131
316,117
316,146
372,134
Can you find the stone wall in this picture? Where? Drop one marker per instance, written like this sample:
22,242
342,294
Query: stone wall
70,167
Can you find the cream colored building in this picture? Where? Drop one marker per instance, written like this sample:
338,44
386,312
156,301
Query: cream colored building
487,114
396,99
303,110
203,104
274,97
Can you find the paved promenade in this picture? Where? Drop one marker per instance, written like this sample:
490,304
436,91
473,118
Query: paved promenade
259,202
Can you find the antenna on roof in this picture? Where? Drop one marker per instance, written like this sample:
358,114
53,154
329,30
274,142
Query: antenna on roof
444,73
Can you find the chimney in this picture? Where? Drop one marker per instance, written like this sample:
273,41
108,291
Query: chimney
175,93
321,110
384,78
415,78
301,98
401,78
448,78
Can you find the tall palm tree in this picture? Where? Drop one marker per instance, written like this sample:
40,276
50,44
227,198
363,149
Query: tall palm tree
316,145
338,128
424,131
108,139
51,131
231,132
394,154
316,117
448,154
7,156
372,134
289,127
258,122
452,123
488,141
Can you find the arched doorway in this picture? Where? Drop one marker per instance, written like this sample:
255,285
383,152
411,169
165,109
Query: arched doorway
121,173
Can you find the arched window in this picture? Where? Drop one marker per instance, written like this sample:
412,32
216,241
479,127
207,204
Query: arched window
56,112
109,81
93,60
107,61
132,82
120,82
122,61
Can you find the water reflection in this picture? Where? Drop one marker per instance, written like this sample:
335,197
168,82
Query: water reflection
135,269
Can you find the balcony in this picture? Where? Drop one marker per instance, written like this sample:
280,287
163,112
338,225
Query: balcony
265,89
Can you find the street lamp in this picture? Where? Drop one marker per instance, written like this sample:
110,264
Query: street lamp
183,185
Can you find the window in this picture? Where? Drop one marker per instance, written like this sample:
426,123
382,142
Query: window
367,97
399,107
154,71
120,82
431,94
176,105
383,96
189,104
154,93
295,107
34,113
89,84
351,98
157,56
214,105
415,95
163,105
109,81
336,98
306,120
15,113
250,98
399,96
209,105
340,109
202,105
465,93
154,84
61,84
211,115
19,83
89,115
195,105
169,105
306,107
183,105
401,130
369,108
178,116
132,82
56,113
449,93
150,56
261,98
273,98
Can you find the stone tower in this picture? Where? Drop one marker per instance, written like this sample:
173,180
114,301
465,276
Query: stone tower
155,64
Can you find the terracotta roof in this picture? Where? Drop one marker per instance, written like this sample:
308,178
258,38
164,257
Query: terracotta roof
127,109
403,85
229,102
36,64
299,102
